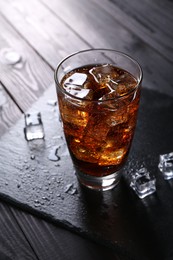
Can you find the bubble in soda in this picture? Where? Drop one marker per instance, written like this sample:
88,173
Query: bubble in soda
166,165
143,183
33,127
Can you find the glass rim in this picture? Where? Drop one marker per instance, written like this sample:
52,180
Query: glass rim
97,49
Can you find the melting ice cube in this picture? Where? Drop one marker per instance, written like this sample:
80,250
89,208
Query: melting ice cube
74,85
79,92
166,165
143,183
77,79
33,127
104,73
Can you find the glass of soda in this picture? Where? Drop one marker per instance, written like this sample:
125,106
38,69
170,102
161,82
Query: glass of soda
98,95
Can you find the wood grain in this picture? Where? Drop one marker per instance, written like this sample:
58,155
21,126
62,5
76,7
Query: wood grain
9,112
13,245
100,29
48,35
43,32
152,23
166,5
27,79
74,25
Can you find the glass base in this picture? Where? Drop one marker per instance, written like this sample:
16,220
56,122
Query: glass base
99,183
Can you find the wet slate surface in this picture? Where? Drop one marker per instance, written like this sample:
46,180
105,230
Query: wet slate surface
117,218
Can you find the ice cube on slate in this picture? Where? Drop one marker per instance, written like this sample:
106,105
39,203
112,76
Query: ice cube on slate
142,183
33,126
166,165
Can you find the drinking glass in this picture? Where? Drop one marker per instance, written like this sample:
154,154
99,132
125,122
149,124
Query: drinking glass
98,95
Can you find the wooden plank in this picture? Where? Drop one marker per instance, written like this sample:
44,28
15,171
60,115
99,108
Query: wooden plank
30,76
163,7
9,112
13,244
95,27
101,29
52,38
51,242
147,20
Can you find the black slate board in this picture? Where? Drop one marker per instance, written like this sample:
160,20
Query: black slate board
140,229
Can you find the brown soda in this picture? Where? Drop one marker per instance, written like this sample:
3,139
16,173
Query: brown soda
99,107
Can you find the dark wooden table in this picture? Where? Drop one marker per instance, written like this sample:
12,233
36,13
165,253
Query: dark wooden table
42,33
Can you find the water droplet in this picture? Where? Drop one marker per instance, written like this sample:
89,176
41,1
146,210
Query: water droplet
25,161
10,57
27,167
6,183
53,156
58,195
45,198
36,203
18,185
32,156
70,189
73,191
52,102
53,179
45,171
57,165
33,169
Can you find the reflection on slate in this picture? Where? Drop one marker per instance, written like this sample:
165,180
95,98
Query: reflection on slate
134,227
